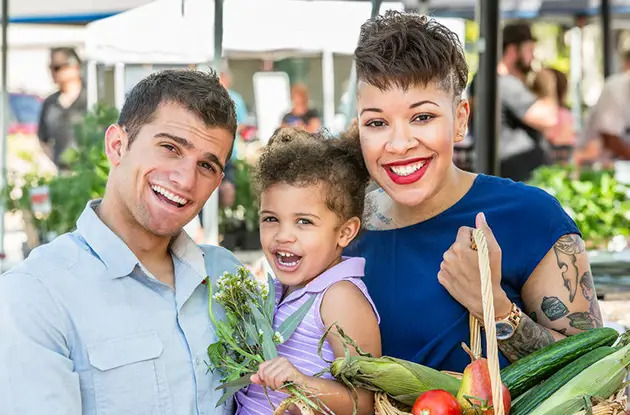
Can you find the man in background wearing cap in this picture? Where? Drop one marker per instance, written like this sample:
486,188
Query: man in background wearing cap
523,115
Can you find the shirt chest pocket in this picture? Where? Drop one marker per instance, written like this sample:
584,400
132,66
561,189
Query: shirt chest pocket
126,376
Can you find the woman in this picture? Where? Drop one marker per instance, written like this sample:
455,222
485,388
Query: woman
421,269
301,116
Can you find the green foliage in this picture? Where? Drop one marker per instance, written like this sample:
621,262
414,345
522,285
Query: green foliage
70,191
245,336
598,203
244,213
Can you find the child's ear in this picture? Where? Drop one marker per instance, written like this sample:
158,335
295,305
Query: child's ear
348,231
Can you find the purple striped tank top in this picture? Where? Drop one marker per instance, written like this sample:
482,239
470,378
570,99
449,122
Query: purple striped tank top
301,348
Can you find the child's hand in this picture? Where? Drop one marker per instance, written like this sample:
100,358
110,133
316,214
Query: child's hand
276,372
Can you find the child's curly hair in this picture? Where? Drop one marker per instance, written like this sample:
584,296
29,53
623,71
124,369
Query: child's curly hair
299,158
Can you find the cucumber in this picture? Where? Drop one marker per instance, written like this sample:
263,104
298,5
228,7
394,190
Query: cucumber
536,395
532,369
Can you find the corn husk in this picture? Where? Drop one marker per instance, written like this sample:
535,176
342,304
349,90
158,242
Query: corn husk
601,380
402,380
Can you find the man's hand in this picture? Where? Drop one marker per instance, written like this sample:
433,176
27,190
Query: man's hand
459,271
275,373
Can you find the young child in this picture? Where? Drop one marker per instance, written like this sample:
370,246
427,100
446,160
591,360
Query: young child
312,192
561,137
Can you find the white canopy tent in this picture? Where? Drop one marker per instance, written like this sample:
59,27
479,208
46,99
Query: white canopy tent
67,10
158,33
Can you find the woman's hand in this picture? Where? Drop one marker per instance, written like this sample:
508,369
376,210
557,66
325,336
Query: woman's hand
459,271
276,372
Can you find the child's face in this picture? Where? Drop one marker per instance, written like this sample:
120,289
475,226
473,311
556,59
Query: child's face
301,237
407,138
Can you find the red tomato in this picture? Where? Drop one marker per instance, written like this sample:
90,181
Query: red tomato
436,402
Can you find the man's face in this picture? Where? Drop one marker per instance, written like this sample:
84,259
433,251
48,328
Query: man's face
525,56
299,98
63,69
164,178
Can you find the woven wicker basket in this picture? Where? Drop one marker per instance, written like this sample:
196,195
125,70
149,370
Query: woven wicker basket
615,405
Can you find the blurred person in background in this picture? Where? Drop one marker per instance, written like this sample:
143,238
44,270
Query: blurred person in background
227,189
607,131
561,137
301,115
65,108
523,115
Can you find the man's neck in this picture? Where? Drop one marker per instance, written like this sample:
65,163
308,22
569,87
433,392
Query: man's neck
300,109
71,87
506,68
147,247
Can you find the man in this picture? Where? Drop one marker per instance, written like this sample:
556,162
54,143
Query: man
523,115
65,108
112,318
607,133
301,115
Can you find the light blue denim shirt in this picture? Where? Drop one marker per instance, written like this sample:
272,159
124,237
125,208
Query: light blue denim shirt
85,329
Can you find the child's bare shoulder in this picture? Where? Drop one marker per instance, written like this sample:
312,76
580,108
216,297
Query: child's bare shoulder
344,298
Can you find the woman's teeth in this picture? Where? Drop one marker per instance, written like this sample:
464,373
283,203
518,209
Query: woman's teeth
170,196
408,169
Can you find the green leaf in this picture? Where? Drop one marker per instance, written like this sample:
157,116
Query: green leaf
215,353
250,330
270,302
227,395
289,325
239,383
263,325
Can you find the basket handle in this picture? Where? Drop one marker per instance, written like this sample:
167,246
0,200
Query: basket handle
492,348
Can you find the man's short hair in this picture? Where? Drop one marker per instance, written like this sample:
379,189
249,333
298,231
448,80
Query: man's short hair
198,92
71,55
516,34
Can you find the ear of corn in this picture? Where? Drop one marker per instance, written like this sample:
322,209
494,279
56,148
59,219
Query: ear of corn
402,380
601,379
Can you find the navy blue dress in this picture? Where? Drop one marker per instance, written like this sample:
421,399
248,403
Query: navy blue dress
420,321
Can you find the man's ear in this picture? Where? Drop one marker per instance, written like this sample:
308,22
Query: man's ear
348,231
116,143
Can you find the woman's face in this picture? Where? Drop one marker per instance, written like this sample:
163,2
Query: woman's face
407,138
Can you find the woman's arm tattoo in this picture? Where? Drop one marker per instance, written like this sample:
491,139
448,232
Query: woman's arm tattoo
527,338
567,249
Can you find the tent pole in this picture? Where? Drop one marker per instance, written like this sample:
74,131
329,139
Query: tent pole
210,211
487,94
606,37
4,122
328,82
92,84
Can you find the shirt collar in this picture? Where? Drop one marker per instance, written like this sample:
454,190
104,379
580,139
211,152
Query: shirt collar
117,256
